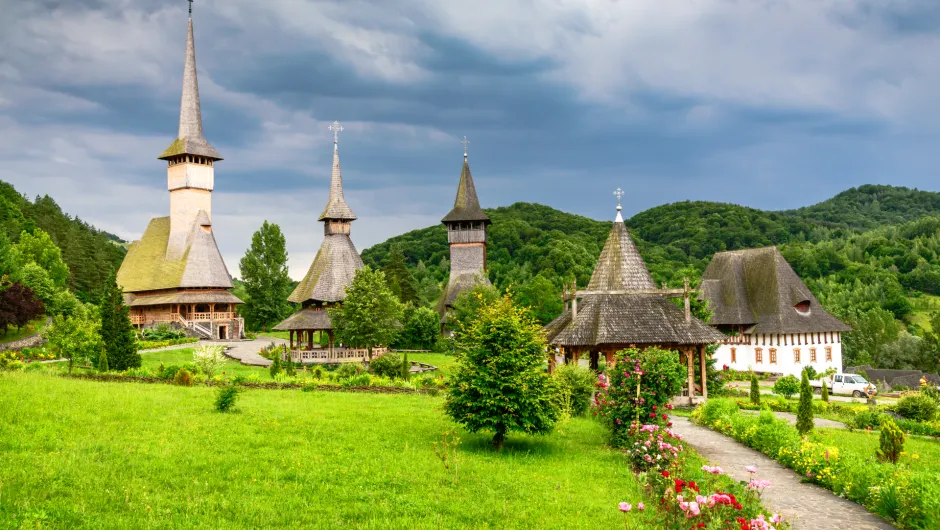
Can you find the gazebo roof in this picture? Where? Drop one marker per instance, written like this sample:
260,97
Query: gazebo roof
306,319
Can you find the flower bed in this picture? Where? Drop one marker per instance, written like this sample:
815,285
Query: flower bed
908,495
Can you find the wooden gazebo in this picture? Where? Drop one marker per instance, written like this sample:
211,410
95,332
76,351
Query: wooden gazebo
622,308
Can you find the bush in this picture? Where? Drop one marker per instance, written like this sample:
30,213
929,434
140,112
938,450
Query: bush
787,386
275,368
225,399
576,387
347,370
917,407
891,441
804,415
405,368
900,388
715,409
825,392
183,378
386,365
209,359
317,373
755,390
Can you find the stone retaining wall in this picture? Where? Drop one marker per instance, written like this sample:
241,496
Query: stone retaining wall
31,341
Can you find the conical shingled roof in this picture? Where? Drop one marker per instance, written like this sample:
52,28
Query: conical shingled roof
337,208
620,266
758,286
332,270
466,205
190,140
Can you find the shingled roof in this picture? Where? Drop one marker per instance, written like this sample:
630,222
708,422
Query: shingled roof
147,268
758,287
336,207
190,140
466,205
306,318
614,318
332,269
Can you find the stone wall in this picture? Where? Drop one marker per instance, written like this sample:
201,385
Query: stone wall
31,341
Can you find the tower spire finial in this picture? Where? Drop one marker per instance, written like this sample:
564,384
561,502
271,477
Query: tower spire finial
190,8
619,194
465,143
337,128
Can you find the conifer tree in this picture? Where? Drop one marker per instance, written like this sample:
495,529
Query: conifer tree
103,361
265,278
399,278
755,390
405,367
117,332
370,315
804,416
825,392
275,364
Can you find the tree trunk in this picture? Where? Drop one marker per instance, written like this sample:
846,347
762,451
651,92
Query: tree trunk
499,437
370,353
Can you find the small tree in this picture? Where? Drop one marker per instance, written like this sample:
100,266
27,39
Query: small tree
275,363
755,390
265,277
370,314
405,367
18,306
209,359
891,441
399,278
117,332
75,338
804,415
103,361
498,384
422,328
787,386
825,392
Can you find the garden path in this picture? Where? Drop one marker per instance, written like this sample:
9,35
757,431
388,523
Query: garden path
245,351
821,423
805,506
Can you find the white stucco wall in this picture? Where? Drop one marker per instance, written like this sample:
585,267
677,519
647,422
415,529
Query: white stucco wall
190,191
743,356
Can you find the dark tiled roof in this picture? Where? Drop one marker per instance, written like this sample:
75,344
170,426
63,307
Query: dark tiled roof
190,140
633,319
307,318
332,269
758,286
466,205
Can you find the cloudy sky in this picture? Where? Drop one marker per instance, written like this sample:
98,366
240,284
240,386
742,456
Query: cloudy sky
769,103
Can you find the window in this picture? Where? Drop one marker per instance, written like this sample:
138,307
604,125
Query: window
758,355
838,379
734,355
773,356
812,355
796,355
829,353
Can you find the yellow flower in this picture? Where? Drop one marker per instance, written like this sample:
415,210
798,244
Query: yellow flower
915,456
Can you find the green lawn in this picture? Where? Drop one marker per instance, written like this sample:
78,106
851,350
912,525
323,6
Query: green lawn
274,334
85,454
924,305
920,453
13,334
182,356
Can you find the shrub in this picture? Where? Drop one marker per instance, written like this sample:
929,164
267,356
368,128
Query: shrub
787,386
209,359
576,387
917,407
825,392
308,387
386,365
405,367
275,368
225,399
755,390
183,378
33,367
900,388
811,373
289,369
640,387
891,441
714,409
804,415
317,373
347,370
103,361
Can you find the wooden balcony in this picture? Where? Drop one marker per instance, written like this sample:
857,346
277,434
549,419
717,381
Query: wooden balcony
211,317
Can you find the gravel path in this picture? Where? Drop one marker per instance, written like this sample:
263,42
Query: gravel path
805,506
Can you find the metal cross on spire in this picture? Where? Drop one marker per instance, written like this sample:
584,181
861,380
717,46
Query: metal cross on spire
619,195
336,128
190,8
465,143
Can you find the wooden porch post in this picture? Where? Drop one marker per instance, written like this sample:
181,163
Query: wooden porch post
609,355
567,353
330,336
577,357
701,357
290,335
310,339
688,354
551,360
595,360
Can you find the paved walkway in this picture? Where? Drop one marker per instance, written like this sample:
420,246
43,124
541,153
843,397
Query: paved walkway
821,423
805,506
245,351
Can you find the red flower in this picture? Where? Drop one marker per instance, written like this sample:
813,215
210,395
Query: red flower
665,417
667,425
679,484
665,474
654,407
652,414
692,485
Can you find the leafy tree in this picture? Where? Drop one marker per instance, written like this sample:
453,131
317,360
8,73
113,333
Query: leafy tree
787,386
804,414
39,248
370,315
18,306
755,390
39,282
75,338
873,329
264,275
8,265
117,333
422,328
498,384
400,280
541,297
468,305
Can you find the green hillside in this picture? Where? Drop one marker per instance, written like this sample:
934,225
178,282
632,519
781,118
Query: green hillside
89,253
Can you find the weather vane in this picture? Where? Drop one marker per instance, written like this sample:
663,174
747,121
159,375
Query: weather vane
336,128
465,143
619,195
190,7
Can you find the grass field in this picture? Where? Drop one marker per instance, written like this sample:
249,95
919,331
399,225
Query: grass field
13,334
84,454
924,305
922,454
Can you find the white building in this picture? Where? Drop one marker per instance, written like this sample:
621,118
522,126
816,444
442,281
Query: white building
775,323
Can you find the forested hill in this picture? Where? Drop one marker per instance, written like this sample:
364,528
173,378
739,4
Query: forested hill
89,253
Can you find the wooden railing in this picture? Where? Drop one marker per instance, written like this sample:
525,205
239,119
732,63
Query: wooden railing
209,317
137,319
154,318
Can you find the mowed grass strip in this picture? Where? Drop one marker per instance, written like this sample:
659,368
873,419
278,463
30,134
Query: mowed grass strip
85,454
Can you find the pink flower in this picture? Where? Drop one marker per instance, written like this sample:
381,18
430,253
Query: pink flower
751,469
700,499
694,509
642,507
625,507
684,506
776,518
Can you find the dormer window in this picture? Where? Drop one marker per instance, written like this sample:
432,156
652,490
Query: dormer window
802,307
